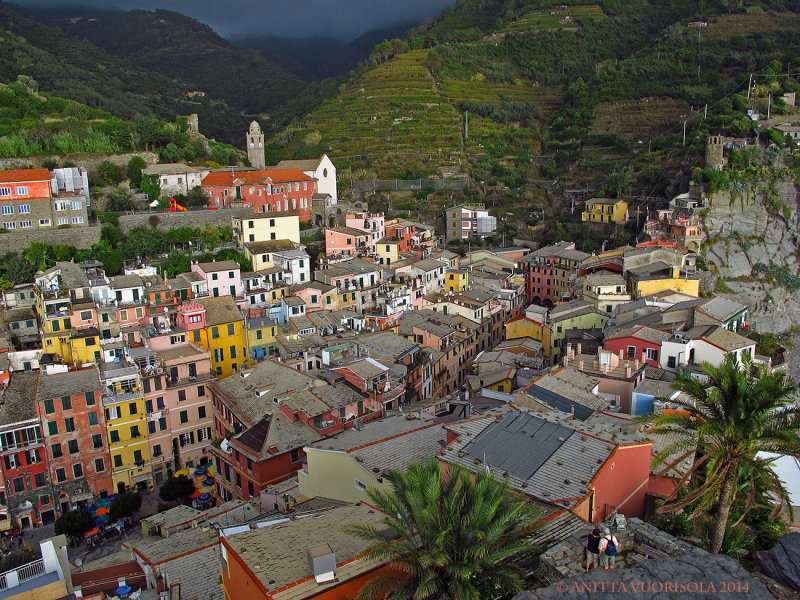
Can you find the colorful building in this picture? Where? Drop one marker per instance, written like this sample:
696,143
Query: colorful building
346,241
24,459
223,278
577,314
605,210
550,273
126,426
70,406
265,191
267,227
456,280
217,325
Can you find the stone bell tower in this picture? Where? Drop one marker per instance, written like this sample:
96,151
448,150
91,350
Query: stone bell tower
255,146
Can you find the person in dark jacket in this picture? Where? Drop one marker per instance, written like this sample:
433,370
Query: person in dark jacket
593,549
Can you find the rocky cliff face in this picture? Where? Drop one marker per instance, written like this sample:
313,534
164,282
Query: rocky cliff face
753,241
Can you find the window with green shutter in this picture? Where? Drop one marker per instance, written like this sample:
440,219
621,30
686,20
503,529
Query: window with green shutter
49,409
52,428
66,403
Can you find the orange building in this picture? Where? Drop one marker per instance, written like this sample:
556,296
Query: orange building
302,558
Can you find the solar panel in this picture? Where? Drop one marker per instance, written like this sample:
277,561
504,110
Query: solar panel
560,402
519,444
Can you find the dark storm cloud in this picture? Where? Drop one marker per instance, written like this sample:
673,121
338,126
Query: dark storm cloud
341,19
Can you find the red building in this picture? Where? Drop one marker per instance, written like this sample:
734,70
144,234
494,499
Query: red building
403,232
635,342
550,273
70,408
279,191
24,460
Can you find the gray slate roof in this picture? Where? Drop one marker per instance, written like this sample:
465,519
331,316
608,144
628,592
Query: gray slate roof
67,384
19,402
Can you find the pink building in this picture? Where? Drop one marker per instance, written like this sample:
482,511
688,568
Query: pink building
84,314
346,241
223,278
178,405
638,342
374,224
191,316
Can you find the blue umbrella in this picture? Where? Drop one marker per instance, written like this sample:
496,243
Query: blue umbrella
208,481
200,471
204,497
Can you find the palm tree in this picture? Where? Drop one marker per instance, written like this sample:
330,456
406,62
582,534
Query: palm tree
741,411
448,534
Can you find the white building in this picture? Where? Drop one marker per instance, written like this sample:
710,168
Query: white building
321,169
466,221
176,178
704,343
297,263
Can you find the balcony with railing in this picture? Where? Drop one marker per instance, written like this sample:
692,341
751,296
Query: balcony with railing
26,579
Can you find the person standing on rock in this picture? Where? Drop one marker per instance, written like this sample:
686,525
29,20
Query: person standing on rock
608,548
592,549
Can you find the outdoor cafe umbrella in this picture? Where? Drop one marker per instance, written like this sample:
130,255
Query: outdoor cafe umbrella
208,482
101,511
92,531
195,494
182,472
204,497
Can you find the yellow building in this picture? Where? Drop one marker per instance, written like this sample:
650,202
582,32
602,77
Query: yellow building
54,315
577,314
126,426
223,335
388,250
653,284
456,280
605,210
266,227
261,253
260,332
85,346
605,291
521,327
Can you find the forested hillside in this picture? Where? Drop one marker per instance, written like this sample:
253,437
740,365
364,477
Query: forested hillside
148,62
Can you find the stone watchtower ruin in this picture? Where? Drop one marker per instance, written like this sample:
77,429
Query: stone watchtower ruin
715,145
255,146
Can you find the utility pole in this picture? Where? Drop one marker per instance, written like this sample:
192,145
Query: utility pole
769,106
466,125
684,133
749,85
705,112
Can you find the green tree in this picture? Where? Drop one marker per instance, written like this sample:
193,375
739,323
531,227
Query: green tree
119,199
125,505
134,170
112,235
109,172
145,241
741,411
38,254
74,523
447,535
175,489
196,197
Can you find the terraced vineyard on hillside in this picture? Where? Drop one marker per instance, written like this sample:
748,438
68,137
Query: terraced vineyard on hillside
392,110
554,18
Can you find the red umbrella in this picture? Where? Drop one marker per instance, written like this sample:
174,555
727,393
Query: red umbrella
93,531
102,511
195,494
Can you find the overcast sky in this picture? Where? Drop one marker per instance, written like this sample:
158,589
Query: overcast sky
341,19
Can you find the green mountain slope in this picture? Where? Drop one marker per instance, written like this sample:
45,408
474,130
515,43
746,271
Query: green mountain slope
577,93
76,69
182,48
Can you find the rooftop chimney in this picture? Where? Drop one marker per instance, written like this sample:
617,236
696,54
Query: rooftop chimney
322,561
